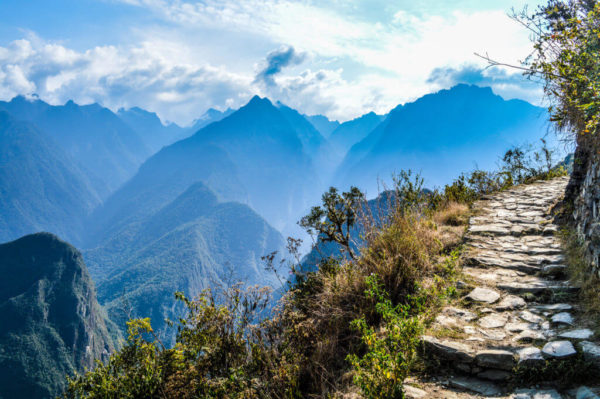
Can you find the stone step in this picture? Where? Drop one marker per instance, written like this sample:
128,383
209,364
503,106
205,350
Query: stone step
549,287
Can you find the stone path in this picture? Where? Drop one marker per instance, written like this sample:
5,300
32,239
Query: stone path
519,311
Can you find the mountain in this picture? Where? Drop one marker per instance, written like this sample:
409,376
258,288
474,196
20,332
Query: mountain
322,124
210,116
150,129
41,187
255,156
105,146
191,243
51,324
351,132
441,135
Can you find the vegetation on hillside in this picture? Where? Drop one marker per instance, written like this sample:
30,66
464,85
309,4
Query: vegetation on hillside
351,326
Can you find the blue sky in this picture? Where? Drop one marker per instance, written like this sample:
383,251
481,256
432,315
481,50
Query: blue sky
179,57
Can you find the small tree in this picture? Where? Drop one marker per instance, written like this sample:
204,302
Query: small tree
334,219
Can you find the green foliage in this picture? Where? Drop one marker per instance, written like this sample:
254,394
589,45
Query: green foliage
566,55
219,353
333,221
381,371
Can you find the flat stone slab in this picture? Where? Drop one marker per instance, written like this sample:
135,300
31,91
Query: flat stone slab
496,359
558,350
492,321
536,394
449,350
563,318
554,307
484,295
476,385
530,317
411,392
511,302
529,336
591,352
517,327
583,333
530,356
495,375
462,314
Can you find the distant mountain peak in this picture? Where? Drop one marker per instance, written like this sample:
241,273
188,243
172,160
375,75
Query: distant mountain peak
258,101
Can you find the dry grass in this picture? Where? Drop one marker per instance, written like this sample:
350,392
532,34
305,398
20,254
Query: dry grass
407,253
453,214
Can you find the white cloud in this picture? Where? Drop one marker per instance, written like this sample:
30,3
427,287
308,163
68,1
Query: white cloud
118,77
399,53
208,53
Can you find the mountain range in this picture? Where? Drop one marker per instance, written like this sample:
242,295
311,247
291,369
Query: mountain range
441,135
158,208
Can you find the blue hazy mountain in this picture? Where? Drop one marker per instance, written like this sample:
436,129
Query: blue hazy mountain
351,132
210,116
317,147
92,135
322,124
51,324
150,129
255,155
191,243
41,187
442,135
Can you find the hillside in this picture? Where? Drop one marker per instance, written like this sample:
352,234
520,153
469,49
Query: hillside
105,146
51,323
442,135
322,124
150,129
351,132
192,243
41,187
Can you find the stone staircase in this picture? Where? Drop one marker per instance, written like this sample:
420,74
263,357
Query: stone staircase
519,311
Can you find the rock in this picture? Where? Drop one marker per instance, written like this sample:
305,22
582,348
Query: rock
476,385
446,321
462,314
536,394
562,318
518,327
483,295
530,317
492,321
494,335
449,350
530,357
470,330
554,307
495,358
591,352
494,375
583,333
586,393
529,336
411,392
511,302
558,350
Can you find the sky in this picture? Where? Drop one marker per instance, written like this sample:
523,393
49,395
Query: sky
339,58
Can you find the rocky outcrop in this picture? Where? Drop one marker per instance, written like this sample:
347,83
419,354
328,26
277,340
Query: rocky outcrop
584,196
51,324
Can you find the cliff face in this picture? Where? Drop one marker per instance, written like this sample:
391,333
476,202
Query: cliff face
51,324
583,192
